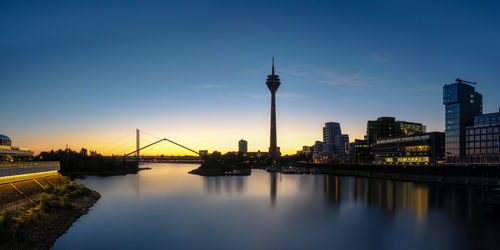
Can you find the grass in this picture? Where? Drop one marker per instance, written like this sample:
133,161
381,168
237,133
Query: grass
53,200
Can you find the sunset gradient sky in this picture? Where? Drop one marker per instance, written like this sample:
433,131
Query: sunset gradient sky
87,74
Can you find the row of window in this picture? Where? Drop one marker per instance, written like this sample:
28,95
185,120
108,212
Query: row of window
482,151
482,144
489,137
452,115
401,154
483,131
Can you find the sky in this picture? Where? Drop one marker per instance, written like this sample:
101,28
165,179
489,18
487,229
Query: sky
88,73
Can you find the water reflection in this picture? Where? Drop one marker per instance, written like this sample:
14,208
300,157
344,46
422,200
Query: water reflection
167,208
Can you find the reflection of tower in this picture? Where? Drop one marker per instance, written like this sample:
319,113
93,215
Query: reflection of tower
273,83
273,189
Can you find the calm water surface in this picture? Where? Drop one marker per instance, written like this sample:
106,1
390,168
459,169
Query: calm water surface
166,208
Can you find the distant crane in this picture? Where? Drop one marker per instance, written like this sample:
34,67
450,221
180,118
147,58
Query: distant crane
463,81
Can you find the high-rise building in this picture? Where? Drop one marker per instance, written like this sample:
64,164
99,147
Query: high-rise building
242,146
462,103
330,130
381,128
482,139
273,83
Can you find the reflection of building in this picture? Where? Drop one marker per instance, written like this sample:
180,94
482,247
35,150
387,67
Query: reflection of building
9,153
243,146
462,103
482,139
427,148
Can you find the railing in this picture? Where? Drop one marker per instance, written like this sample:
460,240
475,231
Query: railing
29,164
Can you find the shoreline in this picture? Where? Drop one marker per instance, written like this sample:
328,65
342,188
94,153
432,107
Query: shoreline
44,235
41,216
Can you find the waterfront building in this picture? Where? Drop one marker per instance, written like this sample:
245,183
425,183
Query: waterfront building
242,146
386,126
341,146
380,128
9,153
462,104
360,152
426,148
330,130
482,139
318,151
335,144
273,83
16,163
306,150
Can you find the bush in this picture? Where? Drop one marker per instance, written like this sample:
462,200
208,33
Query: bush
7,225
52,202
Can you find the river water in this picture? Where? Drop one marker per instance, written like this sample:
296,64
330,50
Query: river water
167,208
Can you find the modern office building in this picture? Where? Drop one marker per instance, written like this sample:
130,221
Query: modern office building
385,127
482,139
330,131
242,146
360,152
273,83
380,128
462,104
341,145
9,153
427,148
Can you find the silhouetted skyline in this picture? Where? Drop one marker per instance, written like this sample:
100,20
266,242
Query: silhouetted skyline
85,74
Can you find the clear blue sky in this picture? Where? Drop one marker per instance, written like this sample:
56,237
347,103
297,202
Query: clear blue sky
87,73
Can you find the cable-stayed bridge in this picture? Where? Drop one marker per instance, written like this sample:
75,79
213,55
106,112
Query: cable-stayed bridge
159,150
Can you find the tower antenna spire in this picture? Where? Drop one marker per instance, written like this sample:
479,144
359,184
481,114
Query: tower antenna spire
273,65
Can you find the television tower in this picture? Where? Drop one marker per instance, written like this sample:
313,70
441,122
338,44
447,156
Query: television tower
273,83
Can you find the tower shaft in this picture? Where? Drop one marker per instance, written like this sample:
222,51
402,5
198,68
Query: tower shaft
273,149
273,83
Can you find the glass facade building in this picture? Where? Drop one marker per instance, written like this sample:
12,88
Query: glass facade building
462,103
482,139
330,131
